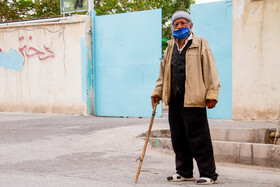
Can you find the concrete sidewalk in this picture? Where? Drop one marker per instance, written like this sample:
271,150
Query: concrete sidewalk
42,150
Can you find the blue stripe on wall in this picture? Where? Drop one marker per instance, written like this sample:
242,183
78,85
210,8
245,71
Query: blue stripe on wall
213,21
12,60
86,73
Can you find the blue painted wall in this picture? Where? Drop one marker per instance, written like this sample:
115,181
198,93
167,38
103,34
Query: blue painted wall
12,60
213,21
127,58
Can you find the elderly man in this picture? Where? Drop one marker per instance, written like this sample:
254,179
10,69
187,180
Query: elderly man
188,82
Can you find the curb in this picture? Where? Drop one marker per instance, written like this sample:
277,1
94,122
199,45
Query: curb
234,152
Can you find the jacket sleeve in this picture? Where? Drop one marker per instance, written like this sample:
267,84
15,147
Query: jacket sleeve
159,83
210,73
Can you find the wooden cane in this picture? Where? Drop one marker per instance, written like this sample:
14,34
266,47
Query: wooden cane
146,142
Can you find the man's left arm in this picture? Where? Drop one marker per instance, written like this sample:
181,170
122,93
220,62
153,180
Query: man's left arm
210,75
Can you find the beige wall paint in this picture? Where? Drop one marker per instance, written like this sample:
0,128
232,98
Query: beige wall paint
256,59
50,82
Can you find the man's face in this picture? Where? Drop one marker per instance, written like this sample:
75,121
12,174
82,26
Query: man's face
181,23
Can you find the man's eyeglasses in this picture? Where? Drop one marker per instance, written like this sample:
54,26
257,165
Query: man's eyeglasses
176,24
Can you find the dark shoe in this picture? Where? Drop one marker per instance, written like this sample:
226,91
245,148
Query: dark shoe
206,180
179,178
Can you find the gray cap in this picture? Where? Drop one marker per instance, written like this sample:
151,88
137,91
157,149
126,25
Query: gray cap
181,14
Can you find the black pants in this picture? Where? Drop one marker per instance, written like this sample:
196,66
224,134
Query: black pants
191,139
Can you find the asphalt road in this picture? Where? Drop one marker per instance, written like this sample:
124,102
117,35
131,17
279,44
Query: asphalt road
53,150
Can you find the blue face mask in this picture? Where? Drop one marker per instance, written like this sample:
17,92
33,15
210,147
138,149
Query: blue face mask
181,33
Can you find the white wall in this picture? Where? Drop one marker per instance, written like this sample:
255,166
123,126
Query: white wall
41,68
256,59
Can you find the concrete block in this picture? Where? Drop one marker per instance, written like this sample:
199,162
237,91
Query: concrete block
226,151
240,134
261,155
276,156
163,143
235,152
278,141
245,153
266,155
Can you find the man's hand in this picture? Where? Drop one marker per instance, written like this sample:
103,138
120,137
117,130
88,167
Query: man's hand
211,103
155,100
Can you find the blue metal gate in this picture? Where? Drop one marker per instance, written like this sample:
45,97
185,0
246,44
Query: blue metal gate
213,21
127,52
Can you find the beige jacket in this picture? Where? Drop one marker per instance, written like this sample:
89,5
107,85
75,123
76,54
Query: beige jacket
202,81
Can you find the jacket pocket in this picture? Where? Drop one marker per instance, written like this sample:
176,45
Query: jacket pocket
196,95
192,58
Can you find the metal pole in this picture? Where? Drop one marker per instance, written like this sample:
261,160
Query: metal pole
90,6
277,133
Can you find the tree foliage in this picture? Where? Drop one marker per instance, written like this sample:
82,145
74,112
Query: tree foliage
18,10
5,13
46,8
14,10
168,7
11,10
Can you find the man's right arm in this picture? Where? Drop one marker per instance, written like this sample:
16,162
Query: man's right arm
157,93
